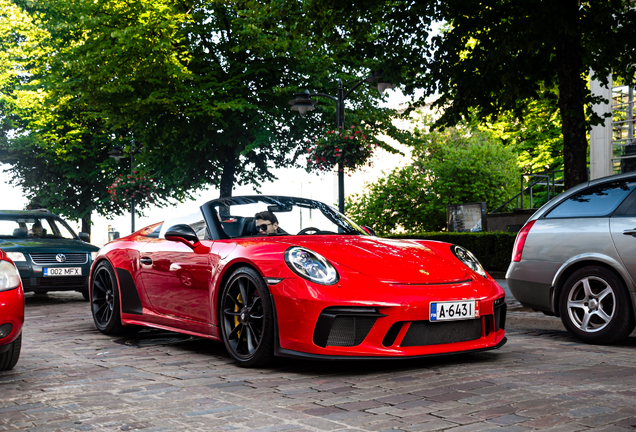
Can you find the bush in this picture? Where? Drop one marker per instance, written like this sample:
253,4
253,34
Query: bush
451,167
492,249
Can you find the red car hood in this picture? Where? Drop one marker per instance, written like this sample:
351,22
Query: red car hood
388,260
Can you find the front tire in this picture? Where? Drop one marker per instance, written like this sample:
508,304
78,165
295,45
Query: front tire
105,300
247,319
595,307
9,358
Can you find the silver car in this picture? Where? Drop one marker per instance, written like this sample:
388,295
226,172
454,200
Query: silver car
576,258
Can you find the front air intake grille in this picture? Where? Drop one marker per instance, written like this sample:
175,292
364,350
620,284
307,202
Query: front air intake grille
344,326
63,281
348,331
500,317
65,258
422,333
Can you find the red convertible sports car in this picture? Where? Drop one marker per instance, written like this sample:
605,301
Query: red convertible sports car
11,313
281,276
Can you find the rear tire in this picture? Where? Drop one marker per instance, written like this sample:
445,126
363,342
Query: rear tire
105,303
595,306
246,318
8,359
85,293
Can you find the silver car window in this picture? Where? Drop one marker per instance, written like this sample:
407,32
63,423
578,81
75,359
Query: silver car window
596,201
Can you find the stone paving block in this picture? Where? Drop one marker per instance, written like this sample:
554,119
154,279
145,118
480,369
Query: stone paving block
588,411
508,420
547,422
627,423
433,425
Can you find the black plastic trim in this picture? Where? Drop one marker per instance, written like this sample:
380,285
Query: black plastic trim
300,355
328,315
392,334
130,301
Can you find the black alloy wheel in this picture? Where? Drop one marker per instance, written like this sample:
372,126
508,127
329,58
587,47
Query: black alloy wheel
105,300
595,307
246,318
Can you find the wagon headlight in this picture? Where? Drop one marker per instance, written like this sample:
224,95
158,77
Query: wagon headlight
310,265
9,276
16,256
94,255
468,259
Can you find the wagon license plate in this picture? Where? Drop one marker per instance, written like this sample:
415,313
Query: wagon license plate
454,310
63,271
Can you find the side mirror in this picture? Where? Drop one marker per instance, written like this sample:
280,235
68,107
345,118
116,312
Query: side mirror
369,230
183,233
84,237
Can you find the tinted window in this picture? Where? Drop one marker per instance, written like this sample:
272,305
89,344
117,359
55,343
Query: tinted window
597,201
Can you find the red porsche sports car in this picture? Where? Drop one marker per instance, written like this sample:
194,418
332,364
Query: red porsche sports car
11,313
282,276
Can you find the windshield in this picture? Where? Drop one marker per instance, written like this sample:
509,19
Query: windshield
267,215
18,226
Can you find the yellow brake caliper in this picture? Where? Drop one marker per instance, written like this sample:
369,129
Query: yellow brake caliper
236,320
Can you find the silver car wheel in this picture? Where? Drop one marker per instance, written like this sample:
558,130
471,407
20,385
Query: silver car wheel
591,304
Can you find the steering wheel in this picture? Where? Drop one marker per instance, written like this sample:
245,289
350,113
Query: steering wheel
309,230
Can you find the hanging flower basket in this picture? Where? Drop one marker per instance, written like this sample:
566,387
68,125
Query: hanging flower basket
351,146
141,188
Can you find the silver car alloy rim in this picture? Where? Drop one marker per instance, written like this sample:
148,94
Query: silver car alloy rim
591,304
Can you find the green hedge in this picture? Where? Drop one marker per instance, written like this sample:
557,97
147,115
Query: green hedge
492,249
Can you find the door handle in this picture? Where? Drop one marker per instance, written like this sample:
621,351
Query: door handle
146,261
630,232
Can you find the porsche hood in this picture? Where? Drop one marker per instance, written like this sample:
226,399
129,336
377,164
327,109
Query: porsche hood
389,260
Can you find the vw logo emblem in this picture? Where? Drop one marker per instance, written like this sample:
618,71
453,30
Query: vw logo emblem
60,258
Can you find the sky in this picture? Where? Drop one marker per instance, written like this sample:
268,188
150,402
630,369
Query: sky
291,182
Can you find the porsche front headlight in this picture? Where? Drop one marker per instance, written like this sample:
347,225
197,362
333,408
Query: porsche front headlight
9,276
311,266
468,259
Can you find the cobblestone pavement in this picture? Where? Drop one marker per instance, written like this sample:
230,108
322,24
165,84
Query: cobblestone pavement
70,377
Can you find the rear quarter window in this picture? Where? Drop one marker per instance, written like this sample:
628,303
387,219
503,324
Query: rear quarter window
596,201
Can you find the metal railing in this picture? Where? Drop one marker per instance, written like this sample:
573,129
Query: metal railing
545,178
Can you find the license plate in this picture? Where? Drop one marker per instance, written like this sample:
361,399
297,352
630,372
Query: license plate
454,310
63,271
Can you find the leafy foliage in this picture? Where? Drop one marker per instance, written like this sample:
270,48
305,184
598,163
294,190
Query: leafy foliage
201,86
450,167
495,57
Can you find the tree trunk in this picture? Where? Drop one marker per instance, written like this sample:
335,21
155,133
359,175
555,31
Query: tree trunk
571,95
86,225
227,177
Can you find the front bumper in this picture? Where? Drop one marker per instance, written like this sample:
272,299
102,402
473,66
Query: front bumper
385,320
33,278
12,314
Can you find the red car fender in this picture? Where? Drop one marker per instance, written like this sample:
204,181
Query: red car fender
11,308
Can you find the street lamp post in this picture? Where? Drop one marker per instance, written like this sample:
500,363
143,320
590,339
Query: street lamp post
117,153
302,103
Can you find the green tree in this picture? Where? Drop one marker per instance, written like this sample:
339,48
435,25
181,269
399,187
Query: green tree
199,88
57,155
496,56
450,167
202,85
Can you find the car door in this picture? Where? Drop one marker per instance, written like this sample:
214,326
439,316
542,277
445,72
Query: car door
623,229
176,279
